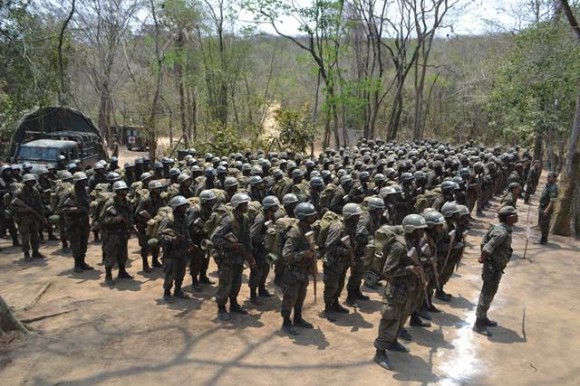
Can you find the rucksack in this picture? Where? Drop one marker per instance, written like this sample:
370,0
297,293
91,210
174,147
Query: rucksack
254,207
97,206
275,237
377,250
322,226
216,217
152,230
327,195
426,200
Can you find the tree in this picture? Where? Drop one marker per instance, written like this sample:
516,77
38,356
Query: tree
8,322
571,175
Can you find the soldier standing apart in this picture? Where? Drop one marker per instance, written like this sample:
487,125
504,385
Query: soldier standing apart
74,206
175,240
546,207
28,213
117,222
298,255
403,282
496,250
231,239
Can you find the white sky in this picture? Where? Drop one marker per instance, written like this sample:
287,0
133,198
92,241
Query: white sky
477,17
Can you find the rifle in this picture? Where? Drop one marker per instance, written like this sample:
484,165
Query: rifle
461,257
427,251
314,266
18,202
346,242
451,241
233,240
412,255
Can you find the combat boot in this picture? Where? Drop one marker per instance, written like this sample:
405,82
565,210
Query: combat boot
155,262
146,267
254,297
359,295
123,274
38,255
336,307
288,327
329,313
480,327
382,359
263,292
84,265
109,276
299,322
236,308
223,314
351,299
417,322
77,268
27,256
203,279
178,293
404,334
488,322
167,296
396,346
441,295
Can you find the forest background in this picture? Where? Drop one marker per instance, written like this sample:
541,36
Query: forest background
203,71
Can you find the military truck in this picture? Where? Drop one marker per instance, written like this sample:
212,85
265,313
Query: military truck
57,135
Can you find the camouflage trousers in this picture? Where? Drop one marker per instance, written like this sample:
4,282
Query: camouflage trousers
230,281
334,276
398,302
174,268
544,224
259,273
29,228
294,286
357,272
79,239
115,249
491,278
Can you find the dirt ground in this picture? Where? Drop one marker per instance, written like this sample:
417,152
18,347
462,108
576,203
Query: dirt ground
127,334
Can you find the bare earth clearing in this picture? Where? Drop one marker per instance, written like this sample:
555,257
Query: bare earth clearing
128,335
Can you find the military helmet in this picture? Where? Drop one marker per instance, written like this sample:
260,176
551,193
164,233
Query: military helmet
157,165
112,177
119,185
183,177
316,182
506,211
304,209
433,218
376,203
29,177
345,179
387,191
297,173
42,171
448,186
257,170
514,185
449,209
72,166
173,172
178,201
145,176
255,180
379,177
246,167
155,184
209,172
289,198
412,222
240,198
463,211
65,175
407,177
364,175
350,210
230,182
79,176
269,202
26,165
207,195
465,172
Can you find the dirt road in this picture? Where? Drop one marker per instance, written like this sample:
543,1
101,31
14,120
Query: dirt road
127,334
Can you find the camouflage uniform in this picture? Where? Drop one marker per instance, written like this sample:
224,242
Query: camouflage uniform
74,208
259,273
337,259
509,199
295,279
549,194
150,205
28,223
116,234
497,245
199,261
175,240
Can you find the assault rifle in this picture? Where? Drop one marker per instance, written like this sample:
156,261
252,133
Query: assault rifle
313,269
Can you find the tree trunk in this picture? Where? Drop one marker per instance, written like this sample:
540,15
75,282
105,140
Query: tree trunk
8,321
563,210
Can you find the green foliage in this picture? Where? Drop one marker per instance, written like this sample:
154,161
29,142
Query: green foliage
296,130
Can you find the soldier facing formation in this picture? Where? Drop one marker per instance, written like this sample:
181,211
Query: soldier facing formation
374,213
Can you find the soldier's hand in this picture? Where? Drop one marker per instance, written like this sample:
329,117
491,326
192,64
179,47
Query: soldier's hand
481,259
119,219
413,268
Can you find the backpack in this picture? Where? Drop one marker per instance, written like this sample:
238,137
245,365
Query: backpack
152,230
254,207
365,204
327,195
377,250
322,226
97,206
216,217
275,237
426,200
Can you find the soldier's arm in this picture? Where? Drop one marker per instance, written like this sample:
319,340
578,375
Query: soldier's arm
496,237
336,202
394,261
362,235
218,235
291,253
256,229
333,245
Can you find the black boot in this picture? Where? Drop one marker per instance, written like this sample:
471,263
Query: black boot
178,293
254,297
263,292
155,263
359,295
195,284
480,327
336,307
15,242
146,267
351,299
441,295
77,268
404,334
203,279
84,265
488,322
417,322
396,346
299,322
38,255
329,313
167,296
382,359
109,276
288,327
223,314
96,237
236,308
123,274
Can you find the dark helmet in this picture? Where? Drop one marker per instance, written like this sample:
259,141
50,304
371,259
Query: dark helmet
304,209
412,222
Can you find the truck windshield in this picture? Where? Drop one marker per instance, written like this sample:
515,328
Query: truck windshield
31,153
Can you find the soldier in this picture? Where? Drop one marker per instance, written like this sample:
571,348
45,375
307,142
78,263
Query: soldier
7,222
197,217
532,180
174,237
496,251
316,185
447,249
298,255
116,220
147,208
259,273
74,206
98,176
28,209
231,239
435,226
367,225
404,280
340,195
339,254
546,206
511,196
